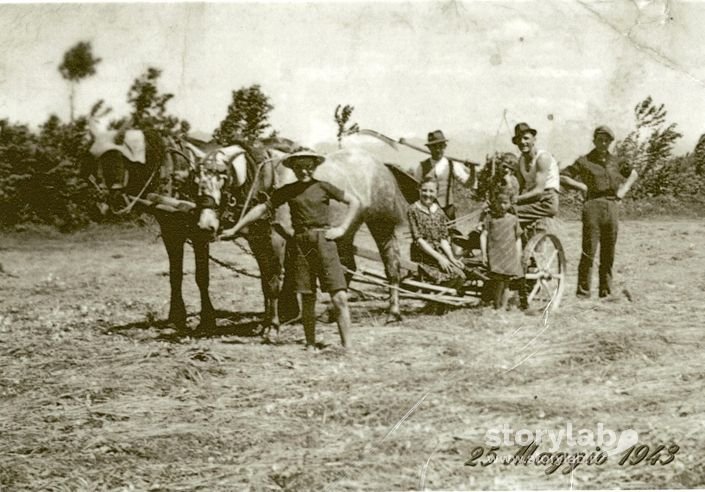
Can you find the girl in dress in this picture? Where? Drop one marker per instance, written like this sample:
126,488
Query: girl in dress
500,242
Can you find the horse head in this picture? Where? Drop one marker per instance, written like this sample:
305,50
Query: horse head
216,177
233,179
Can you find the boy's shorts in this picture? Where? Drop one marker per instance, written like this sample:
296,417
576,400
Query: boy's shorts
317,257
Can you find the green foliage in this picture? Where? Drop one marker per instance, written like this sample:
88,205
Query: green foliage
649,149
699,156
78,64
491,176
41,172
342,116
149,110
486,177
17,155
40,177
247,117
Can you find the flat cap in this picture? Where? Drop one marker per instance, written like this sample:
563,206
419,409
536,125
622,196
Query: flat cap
605,130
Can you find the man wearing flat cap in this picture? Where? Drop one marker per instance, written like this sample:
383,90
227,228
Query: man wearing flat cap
443,170
605,181
538,174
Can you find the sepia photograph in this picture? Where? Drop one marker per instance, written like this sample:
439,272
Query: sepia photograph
352,245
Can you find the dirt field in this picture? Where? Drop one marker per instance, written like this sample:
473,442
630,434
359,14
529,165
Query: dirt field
97,394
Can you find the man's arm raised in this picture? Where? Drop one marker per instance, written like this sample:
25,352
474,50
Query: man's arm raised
626,186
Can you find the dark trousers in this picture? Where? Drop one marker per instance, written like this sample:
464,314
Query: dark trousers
545,206
600,224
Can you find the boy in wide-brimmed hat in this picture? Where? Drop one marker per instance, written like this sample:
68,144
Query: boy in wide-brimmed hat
604,180
316,253
442,170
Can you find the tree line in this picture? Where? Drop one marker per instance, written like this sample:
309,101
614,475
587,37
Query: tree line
42,171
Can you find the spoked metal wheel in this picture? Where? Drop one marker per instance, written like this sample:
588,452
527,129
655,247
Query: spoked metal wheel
545,271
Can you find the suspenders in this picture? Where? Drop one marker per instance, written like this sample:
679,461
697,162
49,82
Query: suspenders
427,167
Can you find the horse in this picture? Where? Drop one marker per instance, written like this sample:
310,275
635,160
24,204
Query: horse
382,210
124,183
250,177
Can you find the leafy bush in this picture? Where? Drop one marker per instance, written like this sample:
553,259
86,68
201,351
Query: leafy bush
40,174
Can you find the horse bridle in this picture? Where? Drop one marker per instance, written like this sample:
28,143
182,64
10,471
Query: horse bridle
234,204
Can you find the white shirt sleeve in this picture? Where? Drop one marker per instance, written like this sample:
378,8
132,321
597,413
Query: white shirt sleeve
459,171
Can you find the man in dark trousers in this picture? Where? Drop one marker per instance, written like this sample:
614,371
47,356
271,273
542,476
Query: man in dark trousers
605,181
316,253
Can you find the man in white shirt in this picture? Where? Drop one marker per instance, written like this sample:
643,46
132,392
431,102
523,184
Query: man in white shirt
539,177
442,170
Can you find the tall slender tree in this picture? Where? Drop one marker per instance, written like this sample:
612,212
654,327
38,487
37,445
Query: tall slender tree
78,64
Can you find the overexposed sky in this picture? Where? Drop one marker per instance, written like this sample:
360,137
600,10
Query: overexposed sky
407,67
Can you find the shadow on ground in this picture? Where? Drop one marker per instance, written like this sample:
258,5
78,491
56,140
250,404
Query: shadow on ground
228,323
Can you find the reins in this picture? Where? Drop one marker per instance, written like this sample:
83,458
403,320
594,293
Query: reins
250,193
137,198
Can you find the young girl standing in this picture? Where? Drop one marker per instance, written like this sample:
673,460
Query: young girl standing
501,247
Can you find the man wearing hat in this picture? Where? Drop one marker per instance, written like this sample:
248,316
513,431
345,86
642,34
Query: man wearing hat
538,175
605,181
443,170
316,253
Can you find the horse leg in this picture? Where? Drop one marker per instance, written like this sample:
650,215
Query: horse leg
200,251
174,244
287,303
263,248
387,242
346,253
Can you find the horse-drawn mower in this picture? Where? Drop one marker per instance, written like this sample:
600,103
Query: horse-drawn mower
543,258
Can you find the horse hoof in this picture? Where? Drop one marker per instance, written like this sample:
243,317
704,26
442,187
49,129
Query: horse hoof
207,325
179,324
270,333
394,317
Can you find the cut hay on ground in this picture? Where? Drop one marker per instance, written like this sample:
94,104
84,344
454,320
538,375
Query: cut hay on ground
97,394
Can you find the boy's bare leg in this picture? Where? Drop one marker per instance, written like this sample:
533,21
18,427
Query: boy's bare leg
308,316
340,301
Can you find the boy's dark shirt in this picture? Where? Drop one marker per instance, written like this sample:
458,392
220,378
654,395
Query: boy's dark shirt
602,177
308,201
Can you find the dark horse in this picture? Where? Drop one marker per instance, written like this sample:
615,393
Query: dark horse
124,183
